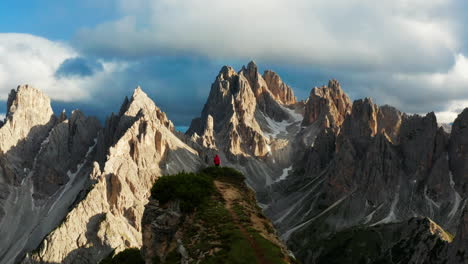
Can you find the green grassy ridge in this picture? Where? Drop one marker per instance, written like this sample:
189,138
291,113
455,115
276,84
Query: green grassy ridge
211,227
192,189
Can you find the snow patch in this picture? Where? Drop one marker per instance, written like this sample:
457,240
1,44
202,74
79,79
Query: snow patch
369,216
285,174
457,198
288,233
294,115
278,128
391,217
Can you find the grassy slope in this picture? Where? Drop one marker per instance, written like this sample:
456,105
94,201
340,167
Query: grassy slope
220,227
223,223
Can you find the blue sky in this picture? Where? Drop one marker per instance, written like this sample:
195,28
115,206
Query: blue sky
90,54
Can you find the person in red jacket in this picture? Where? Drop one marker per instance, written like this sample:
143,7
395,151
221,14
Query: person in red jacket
217,161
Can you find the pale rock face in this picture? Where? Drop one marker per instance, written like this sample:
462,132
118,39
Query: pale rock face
232,105
281,92
27,108
236,102
110,215
207,140
44,164
328,105
29,119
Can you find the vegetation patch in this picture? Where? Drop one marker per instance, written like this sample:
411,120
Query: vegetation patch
225,174
211,235
191,189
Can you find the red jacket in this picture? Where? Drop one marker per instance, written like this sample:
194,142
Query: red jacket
217,161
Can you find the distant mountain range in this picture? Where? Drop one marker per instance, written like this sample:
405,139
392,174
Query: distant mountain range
342,181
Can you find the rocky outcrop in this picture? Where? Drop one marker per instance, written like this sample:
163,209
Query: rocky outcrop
327,105
361,125
383,167
160,227
280,91
457,252
109,217
44,163
207,139
417,138
389,121
226,221
458,152
233,103
68,142
28,121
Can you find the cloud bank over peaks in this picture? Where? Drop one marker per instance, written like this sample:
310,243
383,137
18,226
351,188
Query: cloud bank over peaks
51,66
360,34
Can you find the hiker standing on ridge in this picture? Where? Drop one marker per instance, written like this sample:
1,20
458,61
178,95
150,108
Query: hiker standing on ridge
217,161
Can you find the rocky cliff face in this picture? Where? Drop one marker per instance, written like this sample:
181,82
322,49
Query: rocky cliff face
327,105
360,164
255,121
44,163
109,216
382,167
236,101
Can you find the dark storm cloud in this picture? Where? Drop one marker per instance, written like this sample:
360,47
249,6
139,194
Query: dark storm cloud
78,67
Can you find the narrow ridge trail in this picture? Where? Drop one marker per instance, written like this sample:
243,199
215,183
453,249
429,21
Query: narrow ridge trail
230,194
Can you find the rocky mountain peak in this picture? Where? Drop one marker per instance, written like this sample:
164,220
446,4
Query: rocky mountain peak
389,122
255,80
327,104
252,67
138,101
29,114
281,92
226,72
334,85
243,105
417,137
142,103
250,71
24,98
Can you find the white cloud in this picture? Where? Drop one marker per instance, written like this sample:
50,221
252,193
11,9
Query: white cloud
453,110
450,87
400,52
28,59
360,33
